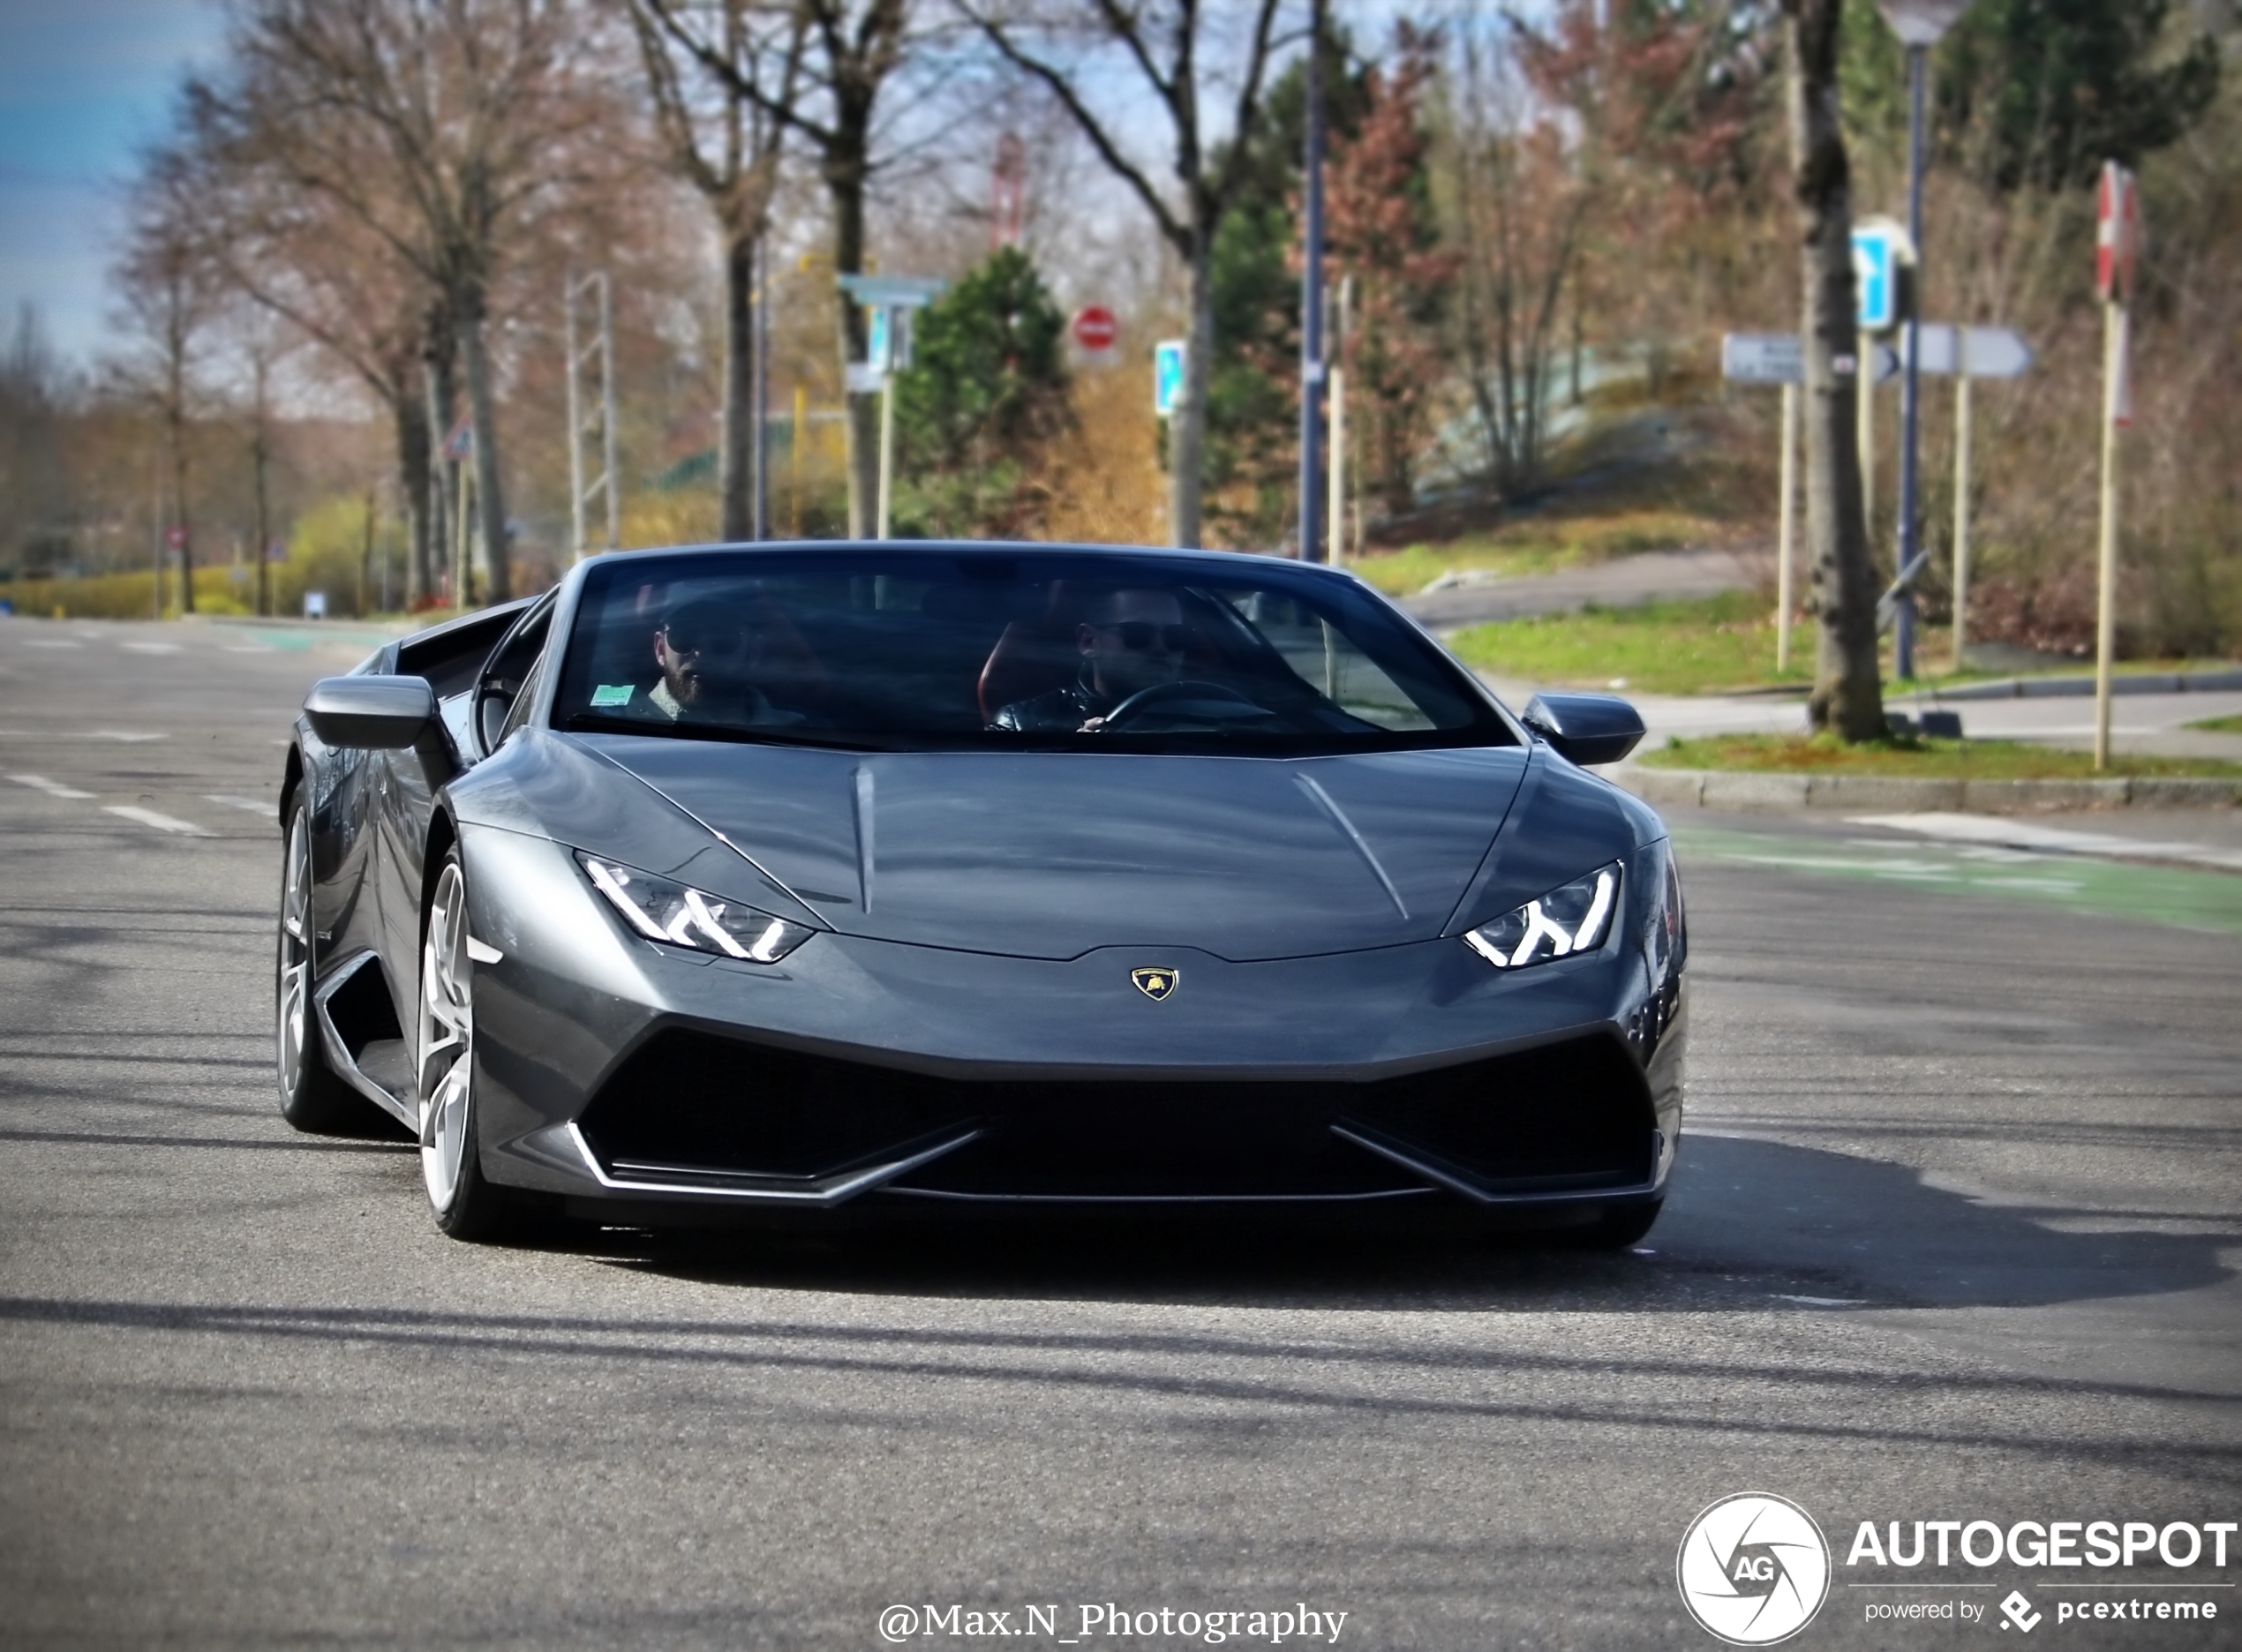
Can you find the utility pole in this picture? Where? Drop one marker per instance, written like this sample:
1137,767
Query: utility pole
581,492
1919,24
2116,247
1311,364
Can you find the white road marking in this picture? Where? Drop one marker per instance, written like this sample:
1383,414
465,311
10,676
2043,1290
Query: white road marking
52,788
2022,834
153,648
73,734
149,817
50,643
232,648
250,804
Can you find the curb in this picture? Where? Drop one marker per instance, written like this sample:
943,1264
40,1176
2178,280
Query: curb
2128,683
1722,789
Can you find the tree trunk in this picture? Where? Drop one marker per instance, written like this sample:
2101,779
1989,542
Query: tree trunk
490,499
437,358
1848,697
260,453
1187,426
735,451
408,417
844,185
179,496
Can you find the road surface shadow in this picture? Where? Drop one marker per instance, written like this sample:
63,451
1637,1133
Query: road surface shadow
1747,1220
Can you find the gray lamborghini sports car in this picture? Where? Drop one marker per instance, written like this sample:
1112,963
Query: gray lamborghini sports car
796,876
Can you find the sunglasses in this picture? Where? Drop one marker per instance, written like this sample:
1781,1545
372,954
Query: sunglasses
720,640
1137,636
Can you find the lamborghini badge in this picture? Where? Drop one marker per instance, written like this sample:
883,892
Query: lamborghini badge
1155,984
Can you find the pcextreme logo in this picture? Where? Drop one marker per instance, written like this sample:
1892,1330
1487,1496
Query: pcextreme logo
1754,1569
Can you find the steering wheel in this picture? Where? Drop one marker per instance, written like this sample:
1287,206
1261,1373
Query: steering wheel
1148,701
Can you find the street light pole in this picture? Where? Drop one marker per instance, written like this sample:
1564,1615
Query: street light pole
1919,24
1910,384
1312,300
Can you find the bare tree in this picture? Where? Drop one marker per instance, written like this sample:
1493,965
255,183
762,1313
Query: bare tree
169,303
1848,697
1516,202
1162,43
298,255
737,181
854,50
438,125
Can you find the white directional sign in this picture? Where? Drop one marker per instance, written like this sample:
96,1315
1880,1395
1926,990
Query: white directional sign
1985,352
1776,358
1880,251
894,292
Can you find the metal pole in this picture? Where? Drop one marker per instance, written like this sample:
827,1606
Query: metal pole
1904,650
760,413
796,435
1961,496
575,417
607,413
1864,388
1311,363
1787,529
887,442
1337,509
2105,630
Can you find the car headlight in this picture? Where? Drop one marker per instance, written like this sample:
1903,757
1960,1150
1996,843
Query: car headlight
668,912
1573,919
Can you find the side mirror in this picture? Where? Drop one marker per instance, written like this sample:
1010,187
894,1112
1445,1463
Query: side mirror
382,714
1585,728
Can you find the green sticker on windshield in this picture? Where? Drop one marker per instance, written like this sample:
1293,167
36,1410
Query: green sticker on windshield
610,694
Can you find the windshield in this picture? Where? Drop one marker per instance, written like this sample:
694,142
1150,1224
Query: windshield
888,649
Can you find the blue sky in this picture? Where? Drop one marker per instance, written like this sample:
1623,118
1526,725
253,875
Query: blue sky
83,83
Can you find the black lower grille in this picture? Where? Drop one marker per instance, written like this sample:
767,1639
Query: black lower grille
1568,1115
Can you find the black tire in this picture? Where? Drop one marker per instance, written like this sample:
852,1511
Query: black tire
465,1204
312,1097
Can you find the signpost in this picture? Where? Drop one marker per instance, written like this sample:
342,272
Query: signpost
1779,359
2116,248
1166,376
1881,255
1095,329
888,301
1967,353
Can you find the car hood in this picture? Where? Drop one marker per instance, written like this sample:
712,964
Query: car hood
1049,854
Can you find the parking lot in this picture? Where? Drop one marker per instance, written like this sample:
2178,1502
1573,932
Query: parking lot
1954,1238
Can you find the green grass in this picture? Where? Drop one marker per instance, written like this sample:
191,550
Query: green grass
1692,646
1536,546
2219,725
1926,759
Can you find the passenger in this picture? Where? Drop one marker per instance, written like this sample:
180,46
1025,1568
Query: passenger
709,657
1132,640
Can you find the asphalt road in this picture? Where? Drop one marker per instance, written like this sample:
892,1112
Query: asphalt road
1955,1238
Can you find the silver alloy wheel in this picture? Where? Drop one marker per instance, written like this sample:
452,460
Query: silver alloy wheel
446,1041
292,989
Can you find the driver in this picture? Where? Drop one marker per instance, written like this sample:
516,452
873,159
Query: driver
708,656
1131,641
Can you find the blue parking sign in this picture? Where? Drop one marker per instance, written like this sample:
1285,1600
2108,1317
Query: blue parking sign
1166,376
1879,251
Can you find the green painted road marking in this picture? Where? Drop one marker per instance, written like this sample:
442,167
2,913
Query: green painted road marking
2189,900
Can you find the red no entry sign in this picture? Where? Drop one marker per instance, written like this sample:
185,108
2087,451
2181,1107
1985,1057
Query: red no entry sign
2116,242
1094,327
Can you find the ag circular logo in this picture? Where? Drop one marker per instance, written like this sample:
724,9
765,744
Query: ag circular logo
1754,1569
